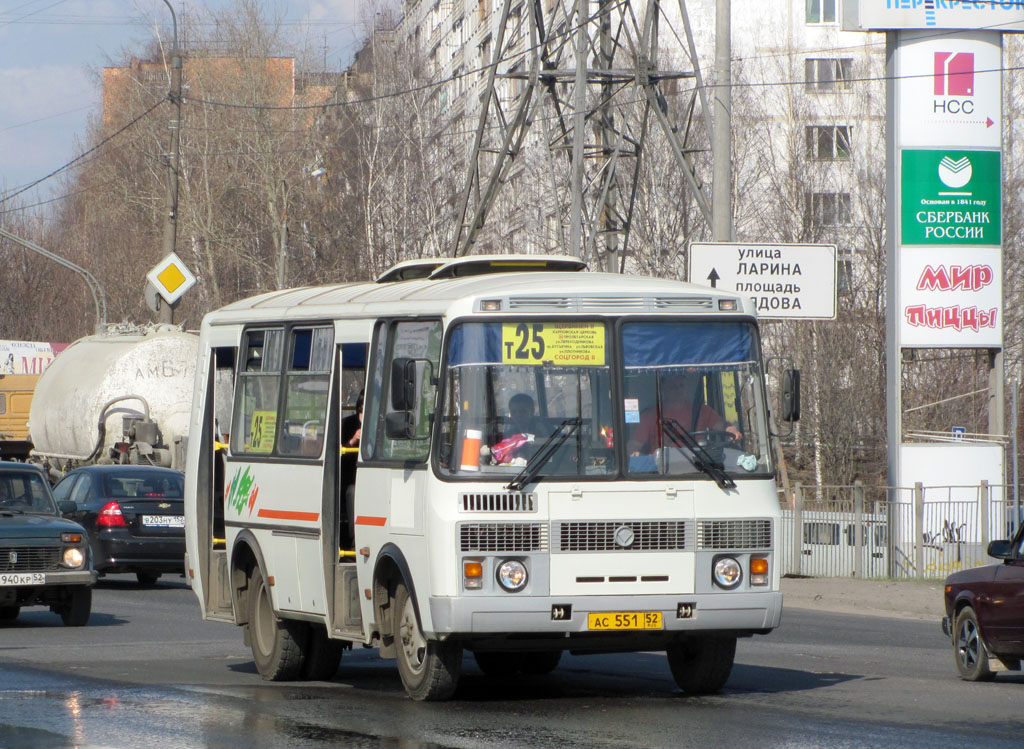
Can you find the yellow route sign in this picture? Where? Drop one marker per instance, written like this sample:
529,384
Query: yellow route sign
261,433
559,344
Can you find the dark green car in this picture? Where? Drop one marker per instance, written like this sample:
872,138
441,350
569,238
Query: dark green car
44,558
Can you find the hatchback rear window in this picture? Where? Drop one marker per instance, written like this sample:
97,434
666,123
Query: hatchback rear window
136,486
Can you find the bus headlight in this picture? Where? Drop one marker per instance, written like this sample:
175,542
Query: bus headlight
512,575
727,573
73,557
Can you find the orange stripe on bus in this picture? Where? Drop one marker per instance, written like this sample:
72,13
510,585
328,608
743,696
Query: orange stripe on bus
311,517
369,520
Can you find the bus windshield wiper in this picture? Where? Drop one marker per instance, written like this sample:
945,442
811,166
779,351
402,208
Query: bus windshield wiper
702,459
540,458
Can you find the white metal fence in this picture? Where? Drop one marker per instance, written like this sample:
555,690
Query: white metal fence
872,532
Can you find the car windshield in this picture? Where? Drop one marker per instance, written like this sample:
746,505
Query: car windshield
693,404
25,492
517,392
144,485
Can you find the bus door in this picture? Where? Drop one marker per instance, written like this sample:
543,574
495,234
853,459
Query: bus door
397,418
208,451
275,468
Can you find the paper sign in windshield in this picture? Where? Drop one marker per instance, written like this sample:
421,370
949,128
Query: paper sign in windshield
261,435
558,344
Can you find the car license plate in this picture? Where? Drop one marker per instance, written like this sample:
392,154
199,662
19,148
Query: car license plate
624,620
164,521
22,578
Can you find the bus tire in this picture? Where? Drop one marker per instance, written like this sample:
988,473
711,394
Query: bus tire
277,644
701,665
322,656
429,669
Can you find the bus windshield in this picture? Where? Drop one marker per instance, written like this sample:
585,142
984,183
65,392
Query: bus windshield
693,402
514,390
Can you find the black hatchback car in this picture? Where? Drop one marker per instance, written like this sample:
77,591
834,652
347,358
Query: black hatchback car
135,516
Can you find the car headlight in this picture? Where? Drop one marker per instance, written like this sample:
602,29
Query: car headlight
512,575
73,557
727,573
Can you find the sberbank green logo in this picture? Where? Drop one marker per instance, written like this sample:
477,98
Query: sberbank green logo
241,491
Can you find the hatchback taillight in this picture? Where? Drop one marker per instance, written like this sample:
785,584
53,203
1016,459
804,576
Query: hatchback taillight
110,516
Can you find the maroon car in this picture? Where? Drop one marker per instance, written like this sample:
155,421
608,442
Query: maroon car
985,612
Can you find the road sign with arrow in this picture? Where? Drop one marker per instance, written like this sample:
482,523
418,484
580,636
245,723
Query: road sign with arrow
788,281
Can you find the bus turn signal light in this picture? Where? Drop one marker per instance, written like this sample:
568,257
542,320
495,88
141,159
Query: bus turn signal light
473,575
758,571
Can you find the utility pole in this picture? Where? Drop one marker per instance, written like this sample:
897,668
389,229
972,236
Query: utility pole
721,143
610,198
579,130
171,225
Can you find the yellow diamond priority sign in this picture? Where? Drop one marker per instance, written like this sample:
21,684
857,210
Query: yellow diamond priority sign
171,278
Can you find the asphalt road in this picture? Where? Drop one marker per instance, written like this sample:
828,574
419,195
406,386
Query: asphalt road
147,672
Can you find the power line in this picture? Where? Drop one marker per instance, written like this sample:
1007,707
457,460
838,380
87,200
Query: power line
73,161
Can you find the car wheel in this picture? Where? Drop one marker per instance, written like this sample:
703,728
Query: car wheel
702,665
322,656
75,612
9,613
429,669
277,644
968,648
147,578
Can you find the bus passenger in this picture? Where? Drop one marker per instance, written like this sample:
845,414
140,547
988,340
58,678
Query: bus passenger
351,431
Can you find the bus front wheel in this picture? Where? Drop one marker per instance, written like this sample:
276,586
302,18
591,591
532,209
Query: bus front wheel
277,644
702,665
429,668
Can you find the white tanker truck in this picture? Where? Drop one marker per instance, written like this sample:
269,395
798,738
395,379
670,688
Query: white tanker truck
119,397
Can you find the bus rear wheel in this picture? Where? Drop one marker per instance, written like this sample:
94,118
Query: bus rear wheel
702,665
322,655
277,644
429,669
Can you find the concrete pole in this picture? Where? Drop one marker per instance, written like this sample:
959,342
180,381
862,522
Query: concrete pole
721,140
579,130
171,226
893,352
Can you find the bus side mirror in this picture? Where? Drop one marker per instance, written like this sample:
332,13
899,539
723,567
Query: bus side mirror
403,383
399,425
791,395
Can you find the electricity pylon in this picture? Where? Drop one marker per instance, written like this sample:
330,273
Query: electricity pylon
597,108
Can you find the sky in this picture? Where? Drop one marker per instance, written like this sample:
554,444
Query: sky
52,55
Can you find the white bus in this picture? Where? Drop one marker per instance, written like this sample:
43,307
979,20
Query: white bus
469,531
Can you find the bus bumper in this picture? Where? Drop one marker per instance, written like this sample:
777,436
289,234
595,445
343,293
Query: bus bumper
744,613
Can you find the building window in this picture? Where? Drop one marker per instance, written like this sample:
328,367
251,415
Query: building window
827,73
827,209
483,8
828,142
821,11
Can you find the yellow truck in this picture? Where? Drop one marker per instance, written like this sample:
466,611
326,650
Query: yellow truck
15,400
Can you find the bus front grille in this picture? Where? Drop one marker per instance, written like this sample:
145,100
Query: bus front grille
624,535
503,537
498,502
734,534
